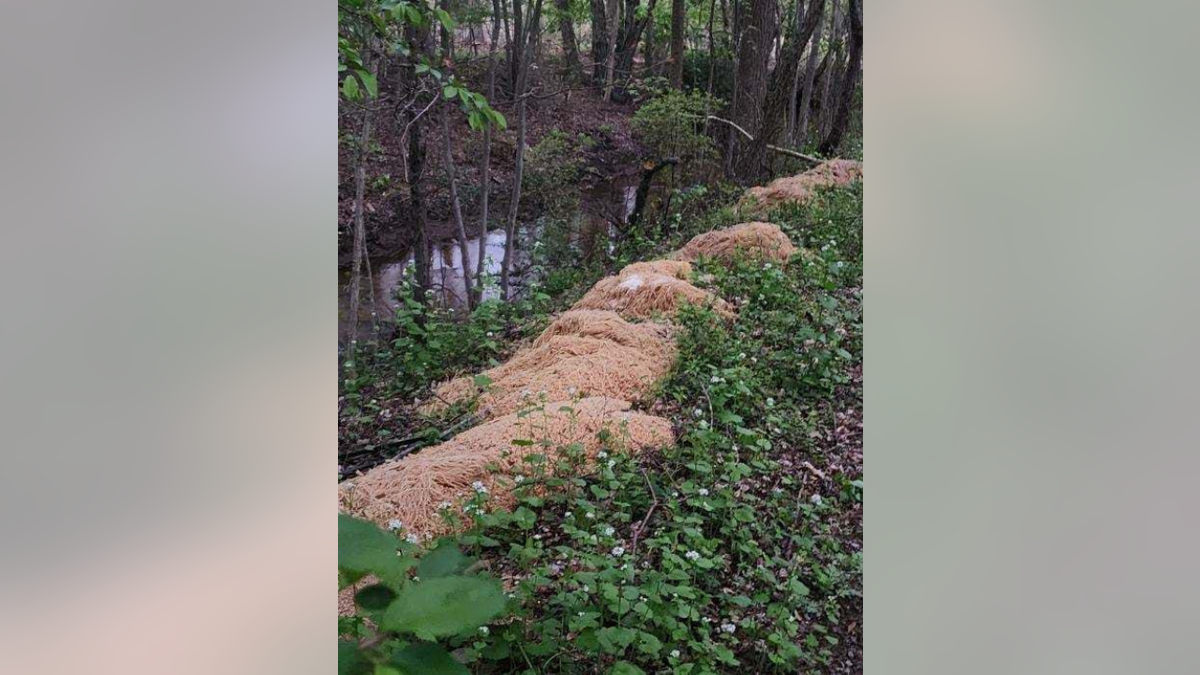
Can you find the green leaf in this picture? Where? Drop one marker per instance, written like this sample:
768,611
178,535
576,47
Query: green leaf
483,381
448,606
626,668
363,548
369,82
351,660
350,88
443,561
450,91
425,658
444,17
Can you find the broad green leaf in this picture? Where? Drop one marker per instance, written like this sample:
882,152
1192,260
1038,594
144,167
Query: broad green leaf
626,668
483,381
350,88
369,82
444,17
436,608
450,91
443,561
351,660
426,658
363,548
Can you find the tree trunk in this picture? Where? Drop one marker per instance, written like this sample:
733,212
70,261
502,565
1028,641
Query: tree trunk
630,34
485,162
800,131
678,20
570,45
757,33
849,83
522,81
360,229
831,58
610,55
779,91
600,29
456,208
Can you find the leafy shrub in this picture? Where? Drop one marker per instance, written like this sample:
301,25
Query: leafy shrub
672,125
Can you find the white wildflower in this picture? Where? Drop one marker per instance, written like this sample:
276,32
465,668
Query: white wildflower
692,555
742,355
728,627
770,402
703,492
348,485
816,499
590,515
612,463
609,530
489,334
586,589
413,539
445,505
568,514
394,524
479,487
618,551
484,630
518,478
602,454
674,653
698,412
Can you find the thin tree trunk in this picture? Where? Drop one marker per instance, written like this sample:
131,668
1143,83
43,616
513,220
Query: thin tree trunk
849,82
485,162
795,89
610,61
800,131
832,57
678,21
510,242
712,48
456,208
360,229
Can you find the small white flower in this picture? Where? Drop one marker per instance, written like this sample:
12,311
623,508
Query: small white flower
413,539
612,463
609,530
618,551
698,412
348,485
692,555
489,334
674,653
728,627
479,487
715,379
571,391
416,578
753,359
770,402
602,454
816,499
767,266
518,478
445,505
777,491
742,355
394,524
568,514
483,630
590,515
703,492
586,589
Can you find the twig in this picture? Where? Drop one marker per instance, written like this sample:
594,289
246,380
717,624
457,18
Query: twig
776,148
637,532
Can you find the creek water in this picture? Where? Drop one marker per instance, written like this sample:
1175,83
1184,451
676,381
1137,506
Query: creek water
593,225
